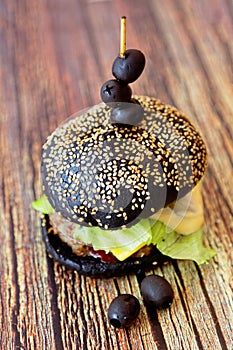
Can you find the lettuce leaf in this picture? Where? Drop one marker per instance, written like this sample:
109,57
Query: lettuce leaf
183,247
122,243
42,205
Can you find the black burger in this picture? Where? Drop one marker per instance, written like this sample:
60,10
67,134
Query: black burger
121,197
122,182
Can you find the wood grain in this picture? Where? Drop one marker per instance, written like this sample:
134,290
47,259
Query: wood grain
54,56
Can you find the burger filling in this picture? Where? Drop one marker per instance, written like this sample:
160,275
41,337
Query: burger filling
175,230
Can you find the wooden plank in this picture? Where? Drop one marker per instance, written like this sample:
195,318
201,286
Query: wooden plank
54,57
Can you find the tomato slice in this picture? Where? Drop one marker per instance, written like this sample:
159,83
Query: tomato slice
106,257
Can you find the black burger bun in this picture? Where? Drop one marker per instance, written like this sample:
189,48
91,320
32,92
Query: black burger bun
99,173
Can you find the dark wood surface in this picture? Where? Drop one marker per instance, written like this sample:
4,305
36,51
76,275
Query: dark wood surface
54,57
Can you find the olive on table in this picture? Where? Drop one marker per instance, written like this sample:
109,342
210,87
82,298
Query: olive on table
123,310
157,291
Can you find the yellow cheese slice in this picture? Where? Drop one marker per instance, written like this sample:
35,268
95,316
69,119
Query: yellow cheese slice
187,215
123,253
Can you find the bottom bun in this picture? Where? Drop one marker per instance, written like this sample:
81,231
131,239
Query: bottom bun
95,267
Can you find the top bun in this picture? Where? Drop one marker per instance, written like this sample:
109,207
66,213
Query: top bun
110,175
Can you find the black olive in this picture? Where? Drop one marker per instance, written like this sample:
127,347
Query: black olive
157,291
129,67
123,310
113,91
127,113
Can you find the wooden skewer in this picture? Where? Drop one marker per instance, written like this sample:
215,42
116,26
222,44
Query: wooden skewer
123,37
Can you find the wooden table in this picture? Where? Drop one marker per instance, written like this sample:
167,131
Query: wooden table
54,57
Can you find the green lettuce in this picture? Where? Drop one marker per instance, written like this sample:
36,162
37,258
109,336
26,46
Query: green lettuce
126,240
168,242
183,247
42,205
123,243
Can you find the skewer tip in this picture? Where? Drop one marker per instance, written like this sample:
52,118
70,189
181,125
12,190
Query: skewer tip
123,36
